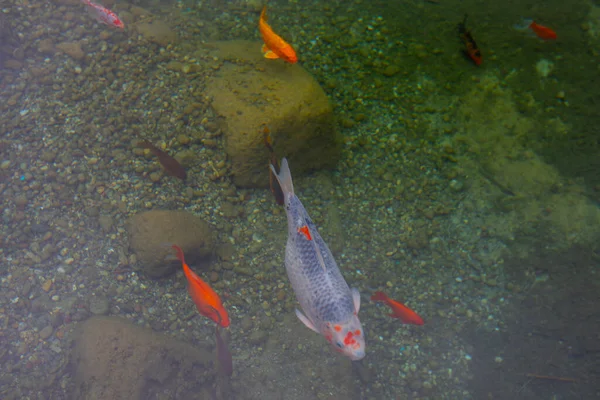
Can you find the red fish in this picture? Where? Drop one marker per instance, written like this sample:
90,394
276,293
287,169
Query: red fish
206,299
275,46
471,50
103,14
400,311
170,164
543,32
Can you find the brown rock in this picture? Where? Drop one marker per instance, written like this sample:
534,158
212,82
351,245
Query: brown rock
13,64
157,32
152,232
252,91
46,46
72,49
139,12
115,359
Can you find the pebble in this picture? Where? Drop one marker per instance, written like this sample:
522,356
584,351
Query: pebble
99,305
155,176
257,337
47,285
46,332
106,222
247,323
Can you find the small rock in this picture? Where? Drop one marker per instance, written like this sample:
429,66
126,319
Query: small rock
106,222
155,176
46,46
72,49
46,332
99,305
157,32
246,323
47,285
13,64
391,70
257,337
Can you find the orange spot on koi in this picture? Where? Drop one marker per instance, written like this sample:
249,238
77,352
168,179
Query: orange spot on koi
304,230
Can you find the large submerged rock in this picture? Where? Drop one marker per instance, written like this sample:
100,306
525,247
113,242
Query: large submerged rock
249,92
114,359
152,232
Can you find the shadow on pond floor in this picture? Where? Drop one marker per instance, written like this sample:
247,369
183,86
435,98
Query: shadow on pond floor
550,348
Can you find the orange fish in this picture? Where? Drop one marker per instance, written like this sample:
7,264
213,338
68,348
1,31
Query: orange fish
471,50
206,299
400,311
275,46
543,32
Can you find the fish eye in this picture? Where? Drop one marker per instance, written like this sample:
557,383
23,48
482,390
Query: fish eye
339,345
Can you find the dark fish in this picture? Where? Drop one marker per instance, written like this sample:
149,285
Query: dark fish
170,164
471,50
223,354
273,183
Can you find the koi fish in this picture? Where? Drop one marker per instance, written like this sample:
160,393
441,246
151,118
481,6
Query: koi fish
273,184
471,50
274,46
224,358
206,299
170,164
330,307
103,14
399,310
543,32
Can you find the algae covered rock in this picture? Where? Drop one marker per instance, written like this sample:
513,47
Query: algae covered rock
250,92
157,32
115,359
152,232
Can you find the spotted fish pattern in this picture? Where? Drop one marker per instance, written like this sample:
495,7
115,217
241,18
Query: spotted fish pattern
329,306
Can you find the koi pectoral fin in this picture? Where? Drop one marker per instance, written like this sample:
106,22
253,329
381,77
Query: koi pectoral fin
267,53
270,55
356,298
306,321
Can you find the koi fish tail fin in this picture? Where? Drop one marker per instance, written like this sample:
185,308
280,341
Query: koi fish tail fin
379,296
263,13
178,253
525,24
284,177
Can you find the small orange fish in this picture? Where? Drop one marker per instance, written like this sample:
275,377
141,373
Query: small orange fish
400,311
206,299
471,50
275,46
543,32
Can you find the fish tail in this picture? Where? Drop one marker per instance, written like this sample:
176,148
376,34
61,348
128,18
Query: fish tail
179,253
144,144
284,177
525,23
263,13
379,296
